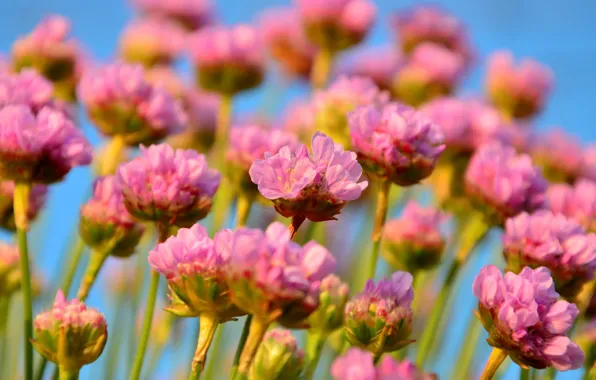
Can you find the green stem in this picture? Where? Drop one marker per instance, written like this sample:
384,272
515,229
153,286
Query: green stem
215,347
243,207
73,265
461,369
21,205
116,338
208,325
224,117
4,316
66,374
241,344
524,374
319,74
98,257
380,217
497,356
258,327
135,301
112,156
314,347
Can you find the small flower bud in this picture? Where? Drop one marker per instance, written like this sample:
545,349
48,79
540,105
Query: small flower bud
333,297
278,357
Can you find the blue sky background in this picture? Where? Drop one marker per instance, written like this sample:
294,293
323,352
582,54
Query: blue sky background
557,33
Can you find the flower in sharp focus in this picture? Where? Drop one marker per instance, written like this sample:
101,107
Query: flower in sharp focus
39,148
336,25
395,142
502,183
329,316
523,317
576,201
380,318
517,91
415,241
272,277
174,187
37,199
559,154
152,41
553,241
378,64
70,334
278,357
191,14
10,273
315,186
331,107
106,224
121,102
195,271
227,60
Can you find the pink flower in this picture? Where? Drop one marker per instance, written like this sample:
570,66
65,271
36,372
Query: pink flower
378,64
300,119
559,154
390,369
575,202
10,274
588,167
37,199
192,14
354,365
26,88
523,317
315,186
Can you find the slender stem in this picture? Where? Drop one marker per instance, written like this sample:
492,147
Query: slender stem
461,369
4,316
66,374
497,356
116,338
319,74
208,323
243,207
98,257
224,117
258,327
380,217
112,156
241,344
524,374
215,347
146,329
73,265
21,205
315,342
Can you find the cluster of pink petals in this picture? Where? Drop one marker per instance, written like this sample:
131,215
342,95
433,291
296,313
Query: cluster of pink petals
554,241
9,256
417,225
40,148
300,119
192,14
250,143
348,93
173,186
378,64
37,197
25,88
432,63
523,317
359,365
505,182
152,40
69,314
354,16
558,151
576,201
396,142
313,185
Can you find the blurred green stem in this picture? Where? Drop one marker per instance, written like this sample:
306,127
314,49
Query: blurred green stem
74,260
315,342
319,74
98,258
66,374
215,347
461,369
241,344
4,316
208,325
116,338
379,224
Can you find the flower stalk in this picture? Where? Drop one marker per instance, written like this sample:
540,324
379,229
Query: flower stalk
496,358
208,326
380,218
314,347
321,68
258,328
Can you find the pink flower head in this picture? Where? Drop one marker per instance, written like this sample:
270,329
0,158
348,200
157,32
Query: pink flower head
85,328
26,88
37,199
504,183
337,24
379,64
355,364
169,186
553,241
333,297
588,167
575,202
559,154
519,92
389,369
120,101
523,317
10,274
228,59
284,36
39,148
380,318
168,79
299,119
268,273
278,357
395,142
192,14
315,186
152,41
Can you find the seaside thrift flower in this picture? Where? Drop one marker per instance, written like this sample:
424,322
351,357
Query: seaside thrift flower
70,334
278,357
26,88
331,107
314,186
175,187
414,241
502,183
191,14
523,317
430,71
518,92
285,39
379,319
39,148
329,316
300,120
121,102
575,202
389,369
586,339
553,241
227,60
37,199
10,273
559,154
152,41
201,109
105,222
588,167
355,364
378,64
395,142
336,25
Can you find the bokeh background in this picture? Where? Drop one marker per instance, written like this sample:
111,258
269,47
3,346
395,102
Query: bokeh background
557,33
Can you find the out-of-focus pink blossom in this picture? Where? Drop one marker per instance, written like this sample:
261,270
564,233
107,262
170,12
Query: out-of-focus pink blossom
588,166
355,364
25,88
300,119
379,64
192,14
576,202
558,153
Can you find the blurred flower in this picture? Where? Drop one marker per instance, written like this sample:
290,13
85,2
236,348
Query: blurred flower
414,241
518,92
167,78
175,187
588,166
329,316
576,202
37,199
283,34
559,154
378,64
10,272
278,357
70,334
330,107
39,149
227,60
300,120
523,317
315,186
389,369
151,41
586,339
201,109
553,241
192,14
121,102
379,319
105,222
355,364
395,142
26,88
502,183
430,71
337,24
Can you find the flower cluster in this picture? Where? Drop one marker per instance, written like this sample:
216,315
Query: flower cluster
315,186
10,274
26,88
191,14
359,365
524,318
278,357
559,154
37,199
575,202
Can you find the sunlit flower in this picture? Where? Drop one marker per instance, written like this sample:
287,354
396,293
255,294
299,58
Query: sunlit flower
559,154
192,14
